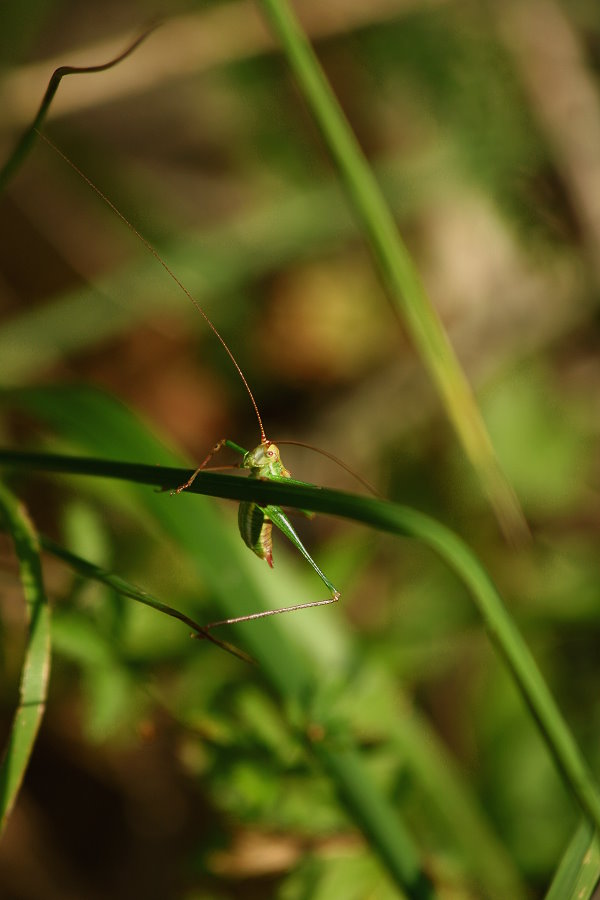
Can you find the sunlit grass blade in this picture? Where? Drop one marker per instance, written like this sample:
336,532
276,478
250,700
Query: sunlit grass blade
400,276
36,664
579,870
396,519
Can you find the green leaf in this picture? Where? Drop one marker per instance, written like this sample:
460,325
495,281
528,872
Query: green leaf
36,663
579,870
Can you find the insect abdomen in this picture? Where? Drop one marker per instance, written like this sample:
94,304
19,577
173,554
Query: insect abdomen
256,530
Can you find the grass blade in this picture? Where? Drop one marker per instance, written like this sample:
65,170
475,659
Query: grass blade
579,869
92,419
36,664
133,592
400,276
27,139
396,519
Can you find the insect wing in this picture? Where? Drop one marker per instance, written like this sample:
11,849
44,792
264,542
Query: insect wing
256,530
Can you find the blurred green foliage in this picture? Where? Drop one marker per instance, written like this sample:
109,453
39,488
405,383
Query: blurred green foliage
177,762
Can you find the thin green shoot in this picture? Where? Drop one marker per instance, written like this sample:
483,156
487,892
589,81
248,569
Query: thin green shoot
35,671
28,137
126,589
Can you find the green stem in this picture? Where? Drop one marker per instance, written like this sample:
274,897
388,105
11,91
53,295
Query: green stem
118,584
28,137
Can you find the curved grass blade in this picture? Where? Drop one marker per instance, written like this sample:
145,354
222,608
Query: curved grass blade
36,664
400,520
126,589
96,422
404,286
26,141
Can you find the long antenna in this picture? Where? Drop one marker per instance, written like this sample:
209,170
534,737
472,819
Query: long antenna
337,461
158,258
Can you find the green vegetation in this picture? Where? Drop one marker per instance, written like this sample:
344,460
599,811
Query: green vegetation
383,744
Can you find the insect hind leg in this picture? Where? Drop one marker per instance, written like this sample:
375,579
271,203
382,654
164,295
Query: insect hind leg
272,612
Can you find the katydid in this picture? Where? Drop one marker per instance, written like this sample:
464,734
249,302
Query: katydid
256,522
264,461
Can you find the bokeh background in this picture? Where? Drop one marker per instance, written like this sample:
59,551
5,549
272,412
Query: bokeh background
164,768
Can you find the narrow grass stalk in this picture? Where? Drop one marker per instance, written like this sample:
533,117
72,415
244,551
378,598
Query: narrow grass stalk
400,276
400,520
133,592
36,663
27,139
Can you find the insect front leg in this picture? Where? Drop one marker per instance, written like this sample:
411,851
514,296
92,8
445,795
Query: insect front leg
183,487
224,442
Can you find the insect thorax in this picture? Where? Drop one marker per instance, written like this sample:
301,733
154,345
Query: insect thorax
265,462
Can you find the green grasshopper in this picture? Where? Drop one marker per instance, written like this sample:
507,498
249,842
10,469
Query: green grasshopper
255,522
264,462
